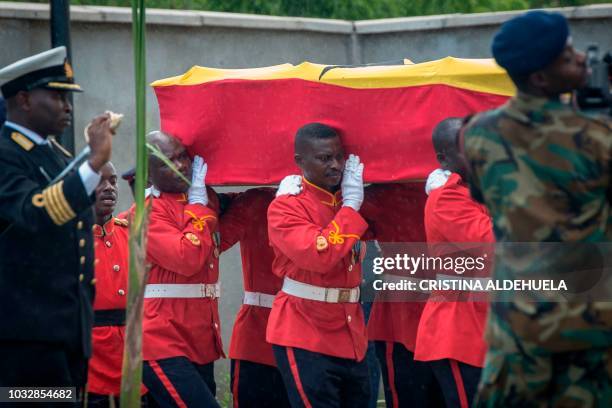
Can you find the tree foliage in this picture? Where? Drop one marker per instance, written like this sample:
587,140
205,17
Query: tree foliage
347,9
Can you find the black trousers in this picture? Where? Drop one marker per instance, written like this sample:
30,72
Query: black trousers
40,364
257,385
407,383
410,383
320,381
101,401
178,382
458,381
104,401
37,364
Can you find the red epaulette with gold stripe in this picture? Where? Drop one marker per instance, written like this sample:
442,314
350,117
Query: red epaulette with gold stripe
122,222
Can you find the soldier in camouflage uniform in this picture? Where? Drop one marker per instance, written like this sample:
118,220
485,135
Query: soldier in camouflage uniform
543,170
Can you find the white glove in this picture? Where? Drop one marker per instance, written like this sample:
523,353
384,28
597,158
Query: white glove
352,183
197,191
436,179
291,185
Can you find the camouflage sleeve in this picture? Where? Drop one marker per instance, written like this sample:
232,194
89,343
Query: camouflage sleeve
602,131
466,143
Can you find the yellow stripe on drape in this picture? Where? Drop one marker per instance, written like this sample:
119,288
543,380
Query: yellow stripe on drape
481,75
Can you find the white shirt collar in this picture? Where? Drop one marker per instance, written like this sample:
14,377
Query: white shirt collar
33,136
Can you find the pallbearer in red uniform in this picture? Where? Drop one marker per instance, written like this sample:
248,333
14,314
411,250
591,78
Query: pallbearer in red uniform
181,329
255,380
316,324
111,268
451,330
395,215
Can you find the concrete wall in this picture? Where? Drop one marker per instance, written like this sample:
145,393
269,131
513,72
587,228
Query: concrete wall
467,36
177,40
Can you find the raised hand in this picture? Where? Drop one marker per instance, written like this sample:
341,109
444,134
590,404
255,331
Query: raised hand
352,183
100,141
197,192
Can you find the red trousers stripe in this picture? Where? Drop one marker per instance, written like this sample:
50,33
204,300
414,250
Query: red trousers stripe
236,377
463,401
296,377
167,384
391,373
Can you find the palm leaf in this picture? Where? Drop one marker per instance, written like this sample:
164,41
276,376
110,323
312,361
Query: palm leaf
132,356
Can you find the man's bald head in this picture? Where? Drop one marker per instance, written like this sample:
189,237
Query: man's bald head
161,176
157,137
445,134
445,140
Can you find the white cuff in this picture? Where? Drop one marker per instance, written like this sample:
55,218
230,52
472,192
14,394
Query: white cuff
355,205
89,177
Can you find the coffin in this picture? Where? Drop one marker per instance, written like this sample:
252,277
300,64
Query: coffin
243,121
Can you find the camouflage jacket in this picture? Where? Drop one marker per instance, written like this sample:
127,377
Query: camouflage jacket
544,172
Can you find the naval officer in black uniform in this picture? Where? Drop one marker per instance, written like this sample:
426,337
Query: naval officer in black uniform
46,251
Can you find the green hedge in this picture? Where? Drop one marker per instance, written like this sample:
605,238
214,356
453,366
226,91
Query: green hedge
346,9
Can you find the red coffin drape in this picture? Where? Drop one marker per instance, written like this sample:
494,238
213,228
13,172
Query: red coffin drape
244,128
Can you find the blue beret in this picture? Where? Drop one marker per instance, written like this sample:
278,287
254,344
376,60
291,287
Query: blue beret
530,41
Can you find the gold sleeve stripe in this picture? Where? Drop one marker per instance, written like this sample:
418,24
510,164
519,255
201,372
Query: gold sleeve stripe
50,206
63,202
55,194
56,205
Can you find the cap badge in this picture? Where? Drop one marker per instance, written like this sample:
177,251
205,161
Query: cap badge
68,70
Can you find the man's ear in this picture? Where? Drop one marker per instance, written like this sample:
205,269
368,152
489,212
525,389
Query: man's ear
441,157
298,160
538,79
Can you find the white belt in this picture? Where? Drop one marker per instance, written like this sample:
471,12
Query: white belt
258,299
311,292
182,290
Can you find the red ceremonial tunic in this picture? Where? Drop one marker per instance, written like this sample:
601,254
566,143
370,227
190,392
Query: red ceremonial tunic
181,249
111,269
245,221
456,329
395,214
313,238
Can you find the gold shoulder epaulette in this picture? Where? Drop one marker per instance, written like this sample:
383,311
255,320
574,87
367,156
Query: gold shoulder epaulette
25,143
121,222
59,147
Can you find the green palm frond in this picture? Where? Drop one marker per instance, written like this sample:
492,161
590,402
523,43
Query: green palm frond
137,278
161,156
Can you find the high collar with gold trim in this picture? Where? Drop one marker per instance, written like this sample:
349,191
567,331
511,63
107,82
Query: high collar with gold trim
180,197
323,195
104,230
